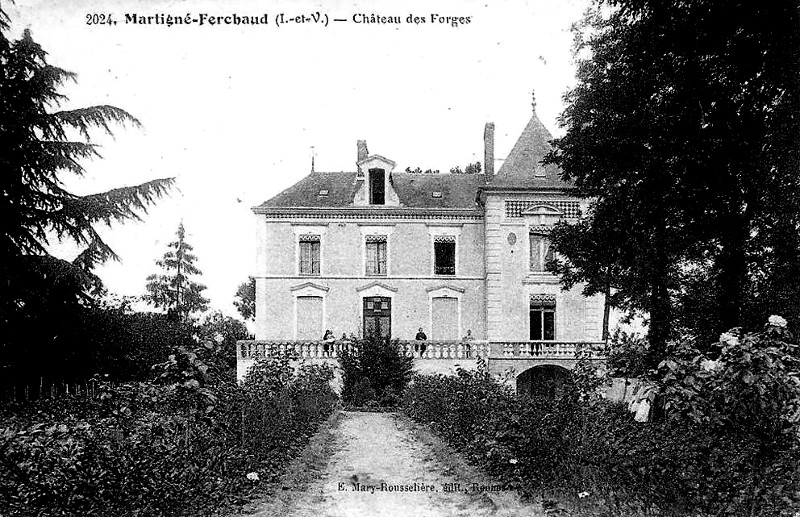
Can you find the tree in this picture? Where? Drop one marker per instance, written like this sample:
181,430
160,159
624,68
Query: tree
679,129
173,290
245,299
472,168
38,147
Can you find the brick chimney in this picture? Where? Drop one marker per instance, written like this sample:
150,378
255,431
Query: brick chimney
488,148
362,150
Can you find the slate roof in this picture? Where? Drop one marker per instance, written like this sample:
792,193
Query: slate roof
341,187
518,171
414,190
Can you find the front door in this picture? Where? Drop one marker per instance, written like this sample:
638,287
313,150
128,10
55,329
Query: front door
377,317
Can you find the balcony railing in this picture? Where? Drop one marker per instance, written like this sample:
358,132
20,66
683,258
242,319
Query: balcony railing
423,349
332,349
543,349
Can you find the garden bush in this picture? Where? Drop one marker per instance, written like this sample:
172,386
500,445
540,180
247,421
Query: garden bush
182,445
374,371
741,458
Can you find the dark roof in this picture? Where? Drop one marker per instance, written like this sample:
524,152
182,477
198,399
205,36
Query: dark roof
341,187
458,190
414,190
525,159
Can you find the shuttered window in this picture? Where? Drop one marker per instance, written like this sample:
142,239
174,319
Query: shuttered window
309,255
376,255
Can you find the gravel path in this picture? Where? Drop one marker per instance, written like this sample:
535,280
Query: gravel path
383,466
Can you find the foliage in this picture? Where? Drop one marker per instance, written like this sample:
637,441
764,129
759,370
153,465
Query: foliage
420,171
182,446
225,331
283,404
627,355
245,299
376,370
678,129
471,168
748,384
41,144
125,345
589,378
566,446
173,290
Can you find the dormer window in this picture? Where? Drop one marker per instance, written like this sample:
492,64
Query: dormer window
323,192
377,187
436,194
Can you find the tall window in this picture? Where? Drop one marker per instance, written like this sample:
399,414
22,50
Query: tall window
376,255
377,189
444,255
309,255
541,252
543,318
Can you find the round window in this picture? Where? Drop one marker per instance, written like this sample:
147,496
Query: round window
512,238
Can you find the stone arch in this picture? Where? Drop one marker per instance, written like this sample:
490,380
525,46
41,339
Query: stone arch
547,380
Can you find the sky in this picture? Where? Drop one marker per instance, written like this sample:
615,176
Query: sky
232,112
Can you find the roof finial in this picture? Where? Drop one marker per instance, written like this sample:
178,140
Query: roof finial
533,100
312,158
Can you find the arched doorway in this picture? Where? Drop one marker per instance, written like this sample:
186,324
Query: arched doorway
548,381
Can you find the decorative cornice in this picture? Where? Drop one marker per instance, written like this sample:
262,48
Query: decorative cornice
515,189
448,287
311,285
376,284
371,212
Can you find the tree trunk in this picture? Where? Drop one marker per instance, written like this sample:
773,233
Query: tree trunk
606,311
660,303
732,276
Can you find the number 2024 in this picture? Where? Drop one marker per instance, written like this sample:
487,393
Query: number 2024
98,19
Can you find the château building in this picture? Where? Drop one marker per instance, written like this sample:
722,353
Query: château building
377,250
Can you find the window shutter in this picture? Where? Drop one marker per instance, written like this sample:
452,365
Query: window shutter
315,262
381,257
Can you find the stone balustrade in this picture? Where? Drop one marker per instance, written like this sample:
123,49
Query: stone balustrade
250,350
542,349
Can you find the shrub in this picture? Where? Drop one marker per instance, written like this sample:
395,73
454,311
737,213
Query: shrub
627,355
570,445
181,446
374,370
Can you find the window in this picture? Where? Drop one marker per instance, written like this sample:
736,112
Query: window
309,255
376,255
543,318
541,252
377,187
444,255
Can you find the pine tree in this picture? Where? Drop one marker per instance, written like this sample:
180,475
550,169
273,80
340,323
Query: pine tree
45,301
173,290
38,147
